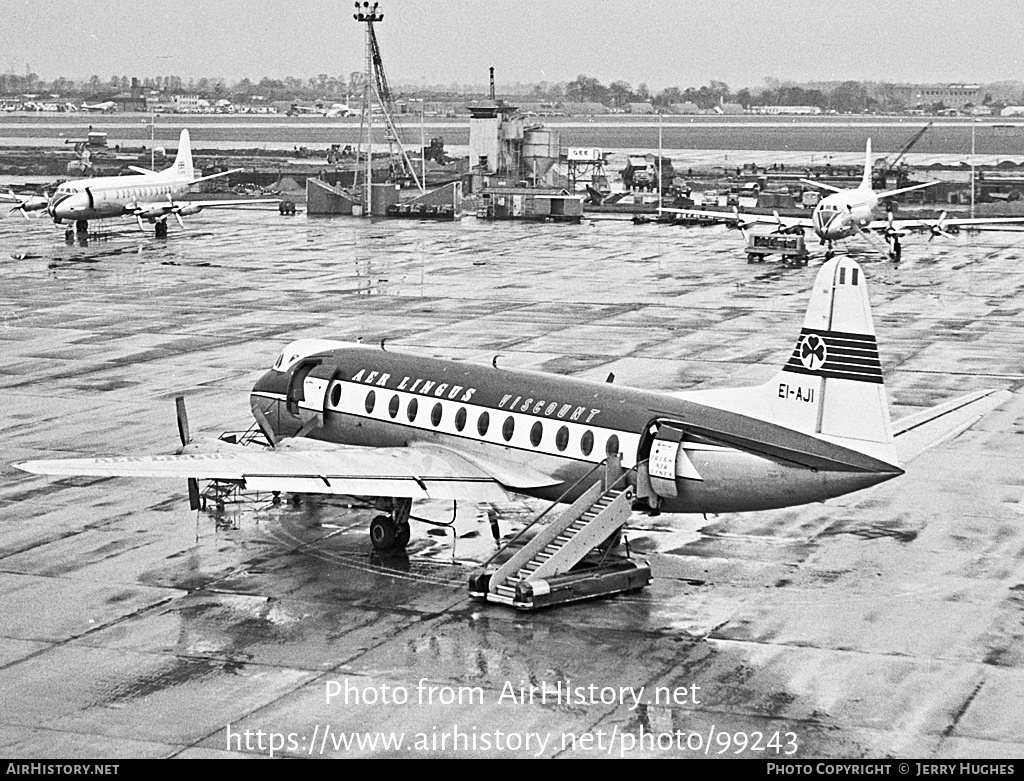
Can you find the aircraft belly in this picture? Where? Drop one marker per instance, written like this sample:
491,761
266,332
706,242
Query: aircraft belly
734,481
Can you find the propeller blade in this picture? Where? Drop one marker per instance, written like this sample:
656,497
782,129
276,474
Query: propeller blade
178,218
182,414
138,219
23,212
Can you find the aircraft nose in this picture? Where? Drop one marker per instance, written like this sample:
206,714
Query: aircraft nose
63,209
273,383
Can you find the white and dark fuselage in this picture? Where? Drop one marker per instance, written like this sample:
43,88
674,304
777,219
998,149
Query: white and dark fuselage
843,214
558,426
112,196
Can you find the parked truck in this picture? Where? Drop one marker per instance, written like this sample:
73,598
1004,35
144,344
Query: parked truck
641,173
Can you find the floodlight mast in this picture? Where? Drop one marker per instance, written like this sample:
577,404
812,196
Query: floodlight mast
368,14
376,85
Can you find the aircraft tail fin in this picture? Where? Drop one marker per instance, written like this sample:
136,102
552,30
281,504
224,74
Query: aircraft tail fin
831,384
182,167
865,181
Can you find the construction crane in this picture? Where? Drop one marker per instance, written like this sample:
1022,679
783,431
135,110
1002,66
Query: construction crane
402,166
883,168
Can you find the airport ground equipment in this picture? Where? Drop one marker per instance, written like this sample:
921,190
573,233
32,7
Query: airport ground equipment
791,246
570,558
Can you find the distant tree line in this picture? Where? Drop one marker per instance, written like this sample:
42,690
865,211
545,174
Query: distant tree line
846,96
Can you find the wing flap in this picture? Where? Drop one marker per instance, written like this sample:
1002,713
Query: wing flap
923,430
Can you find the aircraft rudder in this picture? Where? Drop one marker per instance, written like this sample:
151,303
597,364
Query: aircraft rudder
865,182
183,160
836,358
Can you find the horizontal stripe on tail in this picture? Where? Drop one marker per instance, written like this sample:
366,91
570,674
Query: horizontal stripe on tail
836,355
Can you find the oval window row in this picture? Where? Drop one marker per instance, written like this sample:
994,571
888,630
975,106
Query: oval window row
483,422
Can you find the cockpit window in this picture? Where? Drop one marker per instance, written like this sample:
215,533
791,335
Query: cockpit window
304,348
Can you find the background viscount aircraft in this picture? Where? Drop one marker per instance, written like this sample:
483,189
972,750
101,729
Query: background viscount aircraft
847,213
149,196
355,420
25,203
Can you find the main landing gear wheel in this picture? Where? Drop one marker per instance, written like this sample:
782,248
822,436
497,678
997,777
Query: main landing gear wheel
386,534
391,532
82,226
383,533
160,229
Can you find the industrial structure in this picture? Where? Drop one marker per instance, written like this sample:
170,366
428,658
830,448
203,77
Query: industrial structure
382,175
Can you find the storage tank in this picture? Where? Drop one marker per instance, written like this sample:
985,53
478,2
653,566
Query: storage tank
540,151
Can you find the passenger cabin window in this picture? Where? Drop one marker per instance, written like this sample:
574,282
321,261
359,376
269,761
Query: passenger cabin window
482,423
411,411
336,394
393,406
536,433
587,442
613,444
508,428
562,438
435,414
460,419
371,399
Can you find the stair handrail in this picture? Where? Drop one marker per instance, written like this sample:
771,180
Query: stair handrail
549,508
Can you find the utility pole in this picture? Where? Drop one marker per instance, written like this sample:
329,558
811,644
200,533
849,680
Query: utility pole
974,124
368,14
152,141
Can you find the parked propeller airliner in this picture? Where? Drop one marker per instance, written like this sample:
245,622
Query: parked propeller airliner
356,420
847,213
149,196
25,203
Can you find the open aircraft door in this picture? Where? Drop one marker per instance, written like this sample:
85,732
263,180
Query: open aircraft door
307,392
663,461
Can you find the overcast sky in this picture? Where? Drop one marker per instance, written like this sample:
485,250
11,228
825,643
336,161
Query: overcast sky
657,42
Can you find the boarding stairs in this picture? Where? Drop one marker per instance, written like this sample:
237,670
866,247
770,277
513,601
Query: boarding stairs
570,558
221,492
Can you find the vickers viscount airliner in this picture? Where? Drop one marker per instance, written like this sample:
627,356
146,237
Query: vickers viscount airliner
357,420
847,213
149,196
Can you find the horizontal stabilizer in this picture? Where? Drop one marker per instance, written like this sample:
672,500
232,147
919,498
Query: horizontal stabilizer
923,430
215,176
822,185
891,193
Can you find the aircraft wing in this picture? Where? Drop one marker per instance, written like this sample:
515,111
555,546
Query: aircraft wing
308,466
238,202
942,223
153,210
740,219
923,430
